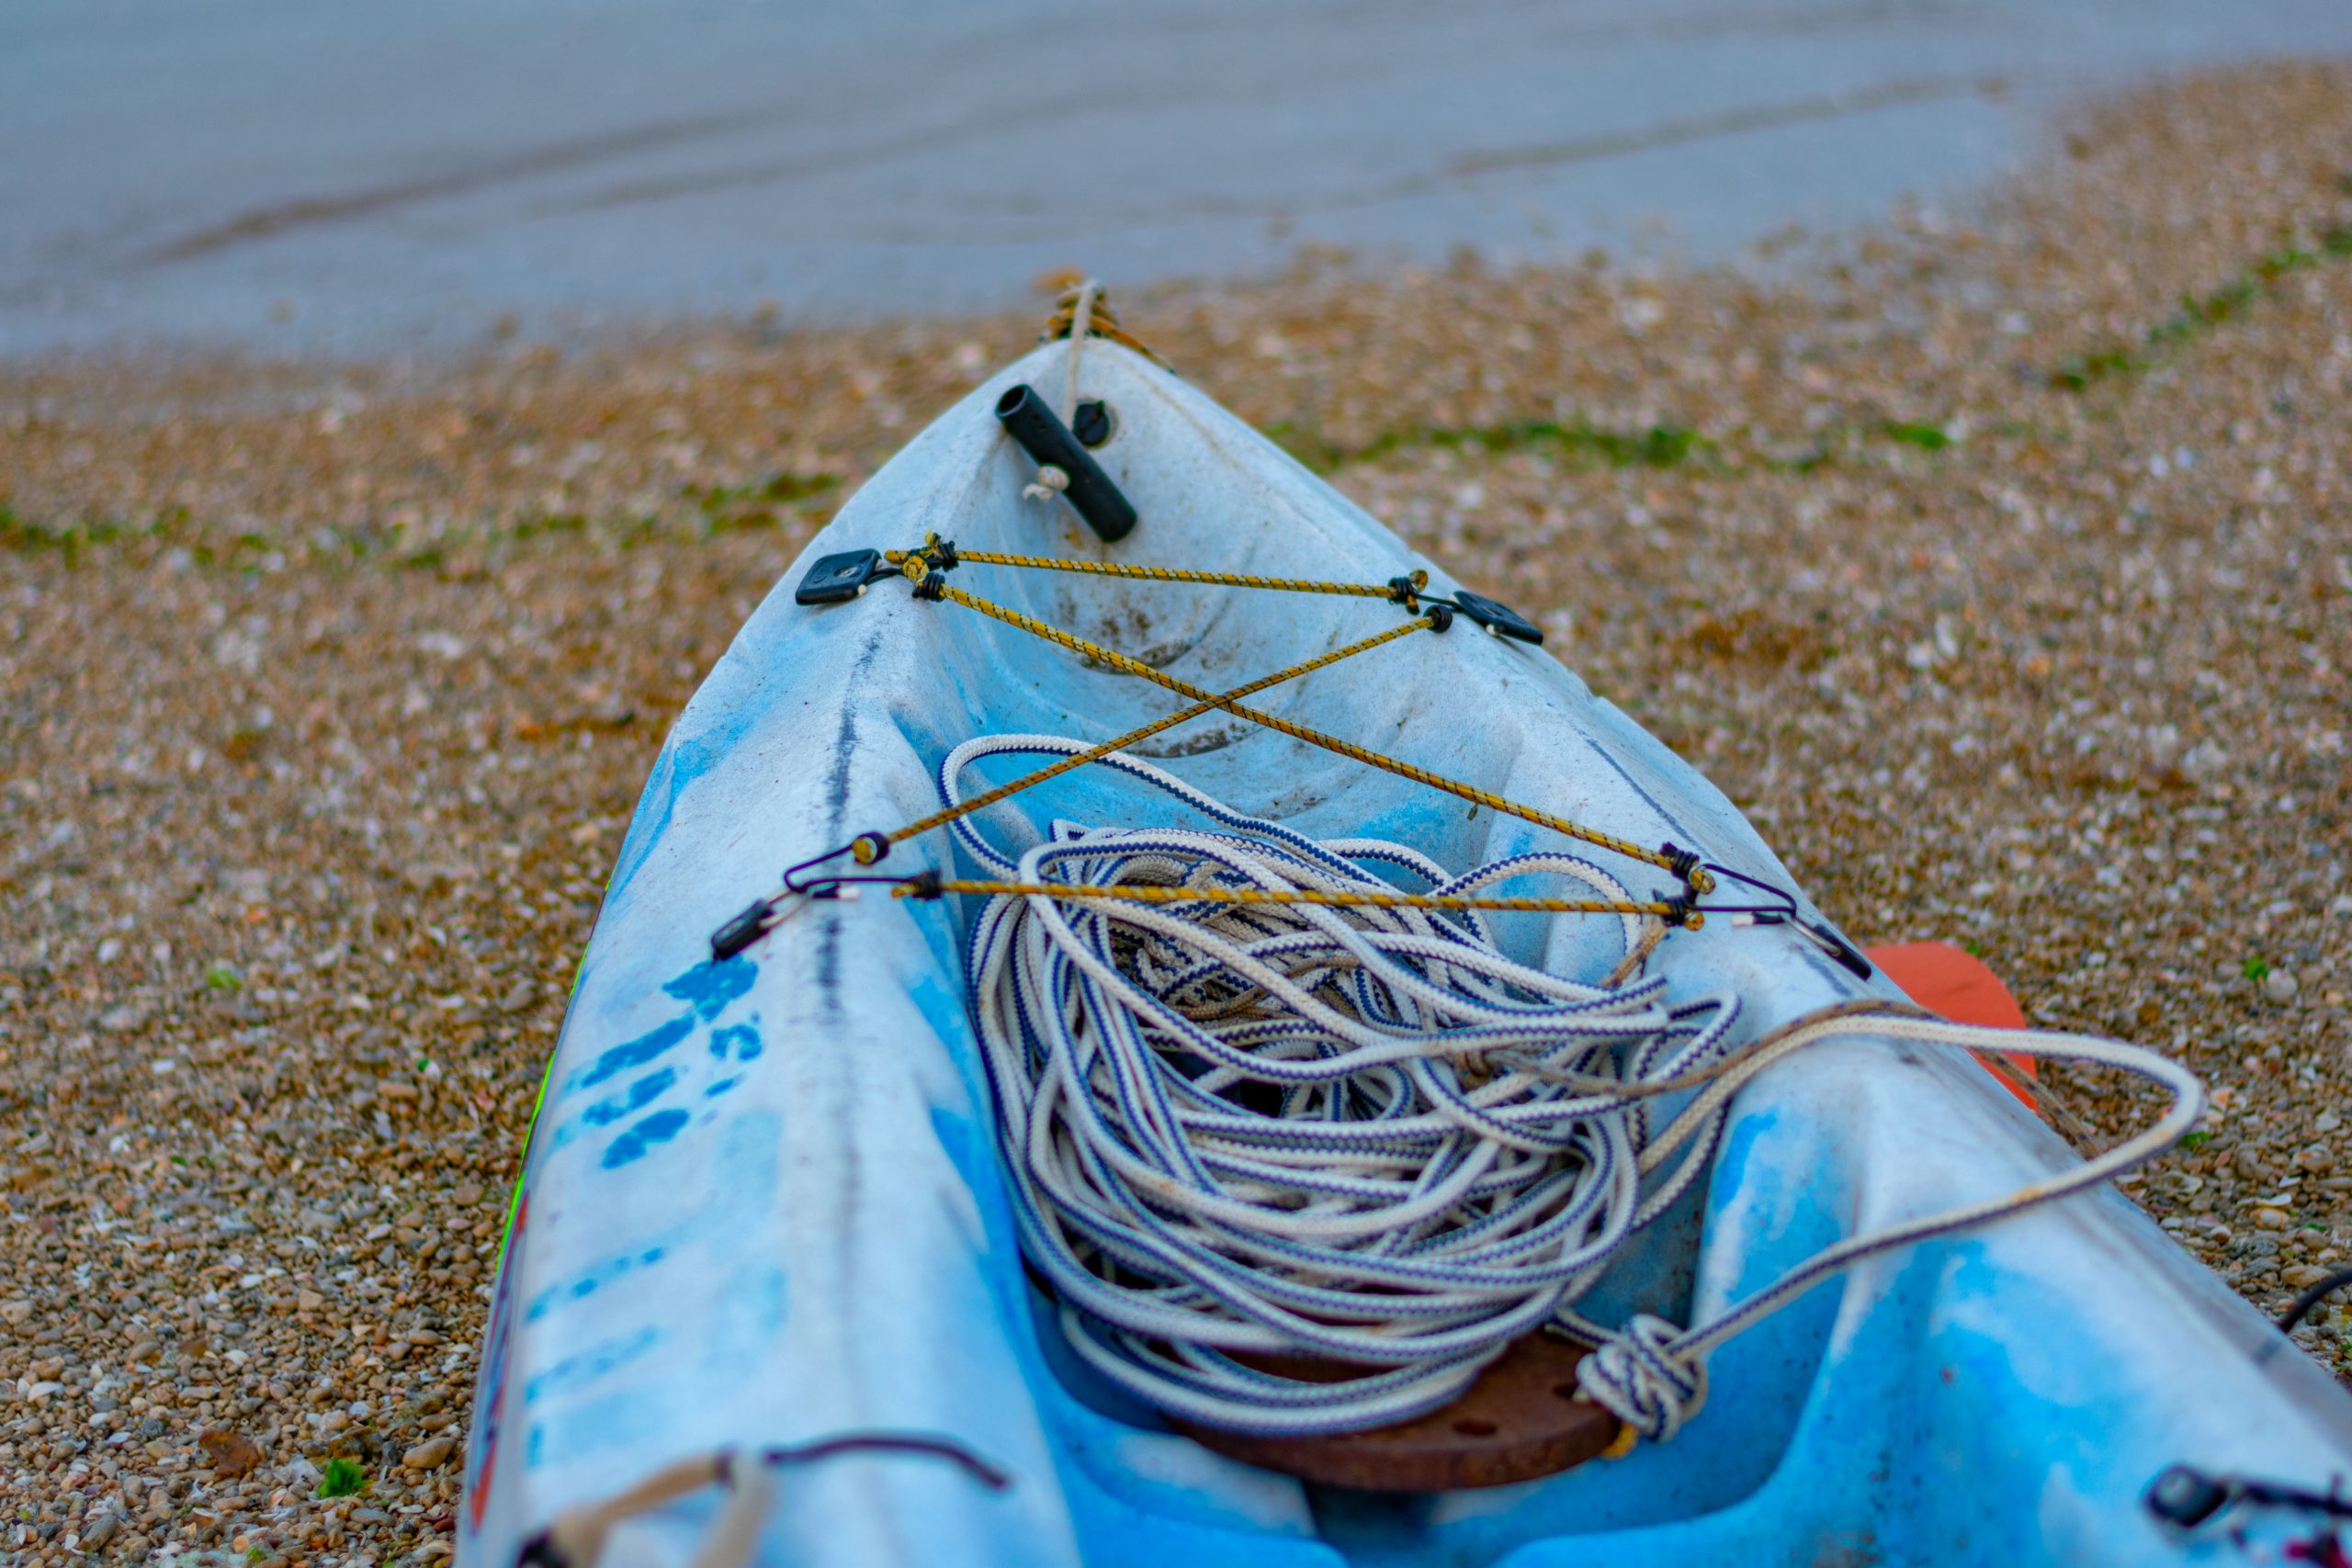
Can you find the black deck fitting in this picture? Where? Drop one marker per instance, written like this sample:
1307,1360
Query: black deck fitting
1044,436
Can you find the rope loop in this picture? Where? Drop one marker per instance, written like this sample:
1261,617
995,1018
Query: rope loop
1099,320
1050,482
1644,1377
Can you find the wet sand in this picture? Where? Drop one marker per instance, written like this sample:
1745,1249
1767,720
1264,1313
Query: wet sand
266,175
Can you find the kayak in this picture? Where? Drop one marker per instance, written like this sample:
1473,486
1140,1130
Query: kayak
779,1287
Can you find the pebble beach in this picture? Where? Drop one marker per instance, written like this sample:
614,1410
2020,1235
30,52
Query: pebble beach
1996,560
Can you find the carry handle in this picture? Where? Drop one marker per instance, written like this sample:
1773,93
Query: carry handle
1041,434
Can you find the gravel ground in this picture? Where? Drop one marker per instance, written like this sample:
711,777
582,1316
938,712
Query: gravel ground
1998,564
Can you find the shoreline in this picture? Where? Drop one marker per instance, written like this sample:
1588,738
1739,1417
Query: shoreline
2001,570
453,174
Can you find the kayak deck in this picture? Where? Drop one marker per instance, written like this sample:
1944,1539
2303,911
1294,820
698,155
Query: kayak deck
763,1206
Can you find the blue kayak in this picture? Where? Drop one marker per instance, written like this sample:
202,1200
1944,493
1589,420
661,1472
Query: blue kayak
779,1288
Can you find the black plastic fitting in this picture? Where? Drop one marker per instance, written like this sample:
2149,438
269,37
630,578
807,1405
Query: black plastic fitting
837,580
1044,437
1500,619
1090,423
1837,947
743,930
2184,1498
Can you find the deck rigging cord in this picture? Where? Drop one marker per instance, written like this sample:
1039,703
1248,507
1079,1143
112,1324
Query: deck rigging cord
577,1537
925,569
1259,1098
1401,590
1682,864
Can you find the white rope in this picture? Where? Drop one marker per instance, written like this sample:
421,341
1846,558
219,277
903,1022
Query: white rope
1362,1135
1359,1133
1081,327
1653,1375
1051,480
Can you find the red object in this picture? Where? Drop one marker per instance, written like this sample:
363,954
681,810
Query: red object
1953,982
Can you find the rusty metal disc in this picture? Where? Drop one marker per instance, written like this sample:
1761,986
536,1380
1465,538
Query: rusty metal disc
1520,1420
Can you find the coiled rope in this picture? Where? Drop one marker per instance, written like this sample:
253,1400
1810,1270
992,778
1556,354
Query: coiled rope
1362,1133
1243,1129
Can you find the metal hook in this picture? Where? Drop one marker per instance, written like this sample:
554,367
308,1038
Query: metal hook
1785,913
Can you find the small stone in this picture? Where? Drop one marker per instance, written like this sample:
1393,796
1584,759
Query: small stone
309,1301
123,1020
2341,906
145,1350
14,1312
2280,986
230,1454
2270,1219
466,1194
2303,1276
518,999
431,1453
100,1532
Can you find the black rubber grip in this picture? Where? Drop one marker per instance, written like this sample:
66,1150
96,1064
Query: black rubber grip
741,932
1044,436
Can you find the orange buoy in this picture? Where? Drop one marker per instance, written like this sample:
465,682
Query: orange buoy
1956,983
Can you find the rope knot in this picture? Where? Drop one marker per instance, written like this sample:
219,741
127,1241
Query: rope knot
1051,482
1644,1377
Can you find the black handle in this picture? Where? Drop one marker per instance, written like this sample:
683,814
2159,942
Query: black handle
1044,436
743,930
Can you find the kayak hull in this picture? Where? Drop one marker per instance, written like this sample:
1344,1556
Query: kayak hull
762,1206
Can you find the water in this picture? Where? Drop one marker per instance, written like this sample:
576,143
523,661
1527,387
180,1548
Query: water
289,176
